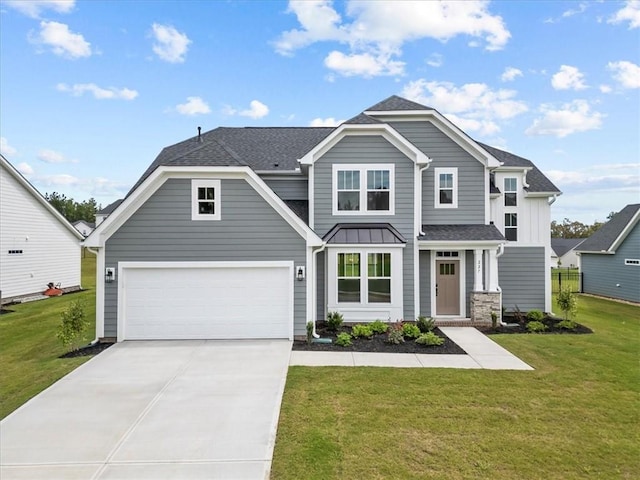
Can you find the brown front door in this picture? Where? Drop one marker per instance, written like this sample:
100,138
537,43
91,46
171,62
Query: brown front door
447,287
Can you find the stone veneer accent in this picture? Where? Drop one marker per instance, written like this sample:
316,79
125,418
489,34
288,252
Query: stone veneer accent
482,304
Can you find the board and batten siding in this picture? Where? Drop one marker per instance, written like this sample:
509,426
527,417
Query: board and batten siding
522,275
445,153
50,251
162,230
607,275
295,188
370,149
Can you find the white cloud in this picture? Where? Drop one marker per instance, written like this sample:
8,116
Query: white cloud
171,45
6,149
435,60
573,117
96,186
111,93
510,74
473,106
363,64
25,169
625,73
33,8
51,156
256,110
571,12
377,30
325,122
605,88
629,13
61,40
568,78
193,106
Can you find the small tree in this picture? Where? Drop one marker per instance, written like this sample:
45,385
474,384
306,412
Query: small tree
568,303
72,326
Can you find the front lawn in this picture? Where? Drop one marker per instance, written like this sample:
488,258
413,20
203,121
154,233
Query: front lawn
29,349
576,416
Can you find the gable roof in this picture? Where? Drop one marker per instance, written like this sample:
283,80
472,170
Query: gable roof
110,208
5,165
395,103
538,182
562,245
609,236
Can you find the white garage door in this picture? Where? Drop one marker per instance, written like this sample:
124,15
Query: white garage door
231,300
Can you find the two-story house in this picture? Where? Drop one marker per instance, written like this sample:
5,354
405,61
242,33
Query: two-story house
253,232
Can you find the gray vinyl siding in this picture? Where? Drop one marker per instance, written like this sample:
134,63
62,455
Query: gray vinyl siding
445,153
321,287
162,230
425,282
603,273
521,275
290,188
370,150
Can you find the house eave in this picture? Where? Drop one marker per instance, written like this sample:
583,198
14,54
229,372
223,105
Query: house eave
458,244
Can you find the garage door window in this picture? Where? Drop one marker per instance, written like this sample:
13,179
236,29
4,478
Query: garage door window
205,199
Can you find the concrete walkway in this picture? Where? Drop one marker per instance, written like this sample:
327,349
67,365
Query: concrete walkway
481,353
151,410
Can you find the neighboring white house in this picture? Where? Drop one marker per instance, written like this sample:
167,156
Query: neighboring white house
104,213
85,228
563,252
37,244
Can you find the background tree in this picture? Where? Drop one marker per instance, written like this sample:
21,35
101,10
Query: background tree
72,210
569,229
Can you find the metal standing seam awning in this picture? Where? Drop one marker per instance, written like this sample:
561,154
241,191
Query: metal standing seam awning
364,234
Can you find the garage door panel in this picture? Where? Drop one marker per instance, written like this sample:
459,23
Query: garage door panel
207,302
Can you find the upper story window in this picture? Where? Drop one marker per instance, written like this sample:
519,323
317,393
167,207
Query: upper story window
446,191
510,192
363,189
511,226
205,199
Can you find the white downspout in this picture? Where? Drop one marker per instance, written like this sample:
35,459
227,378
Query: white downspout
314,286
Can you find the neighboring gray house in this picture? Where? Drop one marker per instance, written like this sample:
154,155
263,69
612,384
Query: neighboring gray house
563,252
610,258
253,232
104,213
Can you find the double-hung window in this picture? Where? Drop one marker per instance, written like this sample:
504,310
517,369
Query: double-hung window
205,199
349,277
510,192
446,187
511,226
379,277
363,189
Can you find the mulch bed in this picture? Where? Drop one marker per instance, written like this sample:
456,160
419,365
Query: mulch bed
87,351
378,343
520,326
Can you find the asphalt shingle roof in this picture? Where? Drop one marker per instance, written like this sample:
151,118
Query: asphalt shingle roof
396,103
602,240
300,208
363,119
363,233
563,245
440,233
110,208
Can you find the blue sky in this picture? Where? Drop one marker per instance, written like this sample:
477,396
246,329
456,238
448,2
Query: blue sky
91,91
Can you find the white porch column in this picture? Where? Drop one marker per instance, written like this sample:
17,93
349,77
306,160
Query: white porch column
493,271
477,268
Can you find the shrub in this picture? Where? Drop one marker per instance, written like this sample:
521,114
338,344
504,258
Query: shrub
518,315
378,326
535,316
567,324
309,332
536,327
568,303
494,319
344,339
410,330
429,339
395,334
425,324
72,325
361,331
334,321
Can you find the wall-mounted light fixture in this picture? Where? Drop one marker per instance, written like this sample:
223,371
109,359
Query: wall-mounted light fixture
109,274
300,273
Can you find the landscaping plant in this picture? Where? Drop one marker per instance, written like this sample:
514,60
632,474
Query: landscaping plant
536,327
72,326
535,316
344,339
494,319
425,324
395,334
379,327
410,330
358,331
567,324
429,339
334,321
568,303
309,332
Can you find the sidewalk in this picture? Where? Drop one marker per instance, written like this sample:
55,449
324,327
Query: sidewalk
481,353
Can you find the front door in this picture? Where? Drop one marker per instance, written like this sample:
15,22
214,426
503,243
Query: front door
447,287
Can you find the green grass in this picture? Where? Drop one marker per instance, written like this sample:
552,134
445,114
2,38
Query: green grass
565,277
575,417
29,349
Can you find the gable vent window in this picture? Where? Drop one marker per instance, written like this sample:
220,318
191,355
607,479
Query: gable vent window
632,261
511,226
510,192
15,252
205,199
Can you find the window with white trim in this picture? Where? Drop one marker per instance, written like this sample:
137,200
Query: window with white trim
446,187
363,189
205,199
632,261
355,284
511,226
510,192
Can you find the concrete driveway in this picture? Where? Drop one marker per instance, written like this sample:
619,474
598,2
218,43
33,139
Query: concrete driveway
152,410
